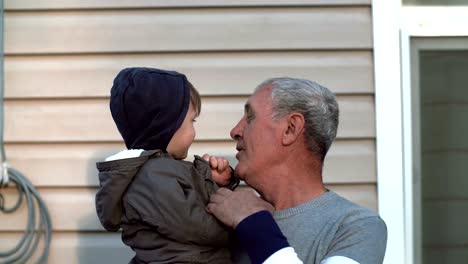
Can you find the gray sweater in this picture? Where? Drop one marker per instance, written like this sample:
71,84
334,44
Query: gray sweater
331,226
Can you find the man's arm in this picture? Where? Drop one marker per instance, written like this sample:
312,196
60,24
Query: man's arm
264,241
254,225
363,240
359,242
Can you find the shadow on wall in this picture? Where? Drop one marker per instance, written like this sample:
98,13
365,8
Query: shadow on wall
95,245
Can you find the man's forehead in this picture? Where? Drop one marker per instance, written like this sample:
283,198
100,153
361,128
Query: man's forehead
250,104
258,100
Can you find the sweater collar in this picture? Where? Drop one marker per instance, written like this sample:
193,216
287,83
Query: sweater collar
314,203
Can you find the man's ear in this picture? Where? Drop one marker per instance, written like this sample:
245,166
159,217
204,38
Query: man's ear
294,128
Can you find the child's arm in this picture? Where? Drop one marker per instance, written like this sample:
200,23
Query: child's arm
221,172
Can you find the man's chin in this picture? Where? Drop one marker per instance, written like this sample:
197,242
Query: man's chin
239,173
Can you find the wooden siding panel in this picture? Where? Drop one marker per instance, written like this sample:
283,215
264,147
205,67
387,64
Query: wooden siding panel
90,120
214,73
73,165
351,161
73,208
96,4
78,248
357,116
63,54
70,209
187,30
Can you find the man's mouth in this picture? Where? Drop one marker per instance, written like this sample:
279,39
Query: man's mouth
239,150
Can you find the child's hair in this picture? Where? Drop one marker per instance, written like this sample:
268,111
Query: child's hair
195,98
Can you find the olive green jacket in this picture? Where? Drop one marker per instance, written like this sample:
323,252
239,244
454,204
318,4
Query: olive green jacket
159,203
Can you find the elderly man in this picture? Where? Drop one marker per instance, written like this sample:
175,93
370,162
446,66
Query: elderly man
282,139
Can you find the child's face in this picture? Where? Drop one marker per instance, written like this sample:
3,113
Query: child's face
184,136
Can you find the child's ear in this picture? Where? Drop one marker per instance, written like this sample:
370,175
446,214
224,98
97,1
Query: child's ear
294,127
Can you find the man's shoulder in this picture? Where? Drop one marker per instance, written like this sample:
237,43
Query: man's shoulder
330,210
351,210
361,233
357,217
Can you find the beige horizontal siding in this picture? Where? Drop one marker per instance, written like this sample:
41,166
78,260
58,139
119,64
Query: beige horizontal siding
78,248
213,73
62,165
72,209
88,4
187,30
76,120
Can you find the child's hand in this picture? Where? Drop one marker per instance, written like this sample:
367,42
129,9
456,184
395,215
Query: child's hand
220,170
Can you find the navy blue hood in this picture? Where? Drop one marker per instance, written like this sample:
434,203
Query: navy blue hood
148,106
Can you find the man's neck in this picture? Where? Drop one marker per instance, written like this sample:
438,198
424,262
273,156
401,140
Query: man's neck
295,182
294,195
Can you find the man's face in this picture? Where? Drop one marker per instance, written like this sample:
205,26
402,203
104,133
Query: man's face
257,137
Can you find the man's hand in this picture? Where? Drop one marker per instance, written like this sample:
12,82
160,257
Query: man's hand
220,170
231,207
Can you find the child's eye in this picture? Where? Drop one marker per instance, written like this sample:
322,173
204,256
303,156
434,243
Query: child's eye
194,120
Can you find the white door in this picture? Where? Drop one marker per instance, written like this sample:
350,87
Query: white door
440,149
421,87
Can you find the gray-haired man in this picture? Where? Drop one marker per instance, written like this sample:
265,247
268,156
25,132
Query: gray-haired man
282,140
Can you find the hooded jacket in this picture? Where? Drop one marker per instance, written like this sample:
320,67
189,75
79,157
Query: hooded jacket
159,203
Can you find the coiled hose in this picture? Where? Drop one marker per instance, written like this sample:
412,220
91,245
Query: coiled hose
33,232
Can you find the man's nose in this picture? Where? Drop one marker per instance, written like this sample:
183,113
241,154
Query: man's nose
236,131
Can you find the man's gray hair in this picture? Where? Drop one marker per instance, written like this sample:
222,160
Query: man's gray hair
316,103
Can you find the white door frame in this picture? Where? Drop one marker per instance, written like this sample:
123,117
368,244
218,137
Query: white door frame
393,27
